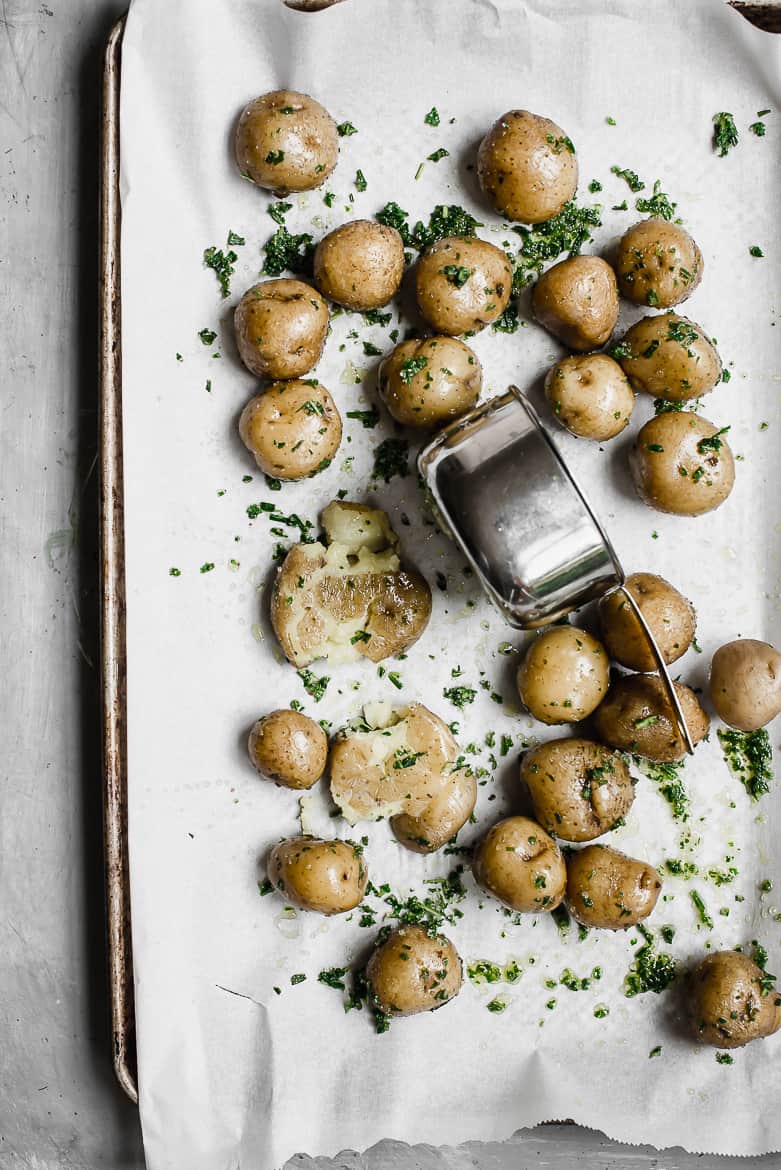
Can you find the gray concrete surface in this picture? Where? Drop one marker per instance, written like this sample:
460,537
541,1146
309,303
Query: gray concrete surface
59,1105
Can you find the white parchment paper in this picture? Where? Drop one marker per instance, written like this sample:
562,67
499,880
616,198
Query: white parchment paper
231,1072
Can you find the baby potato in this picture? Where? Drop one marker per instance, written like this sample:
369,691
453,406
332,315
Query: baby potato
280,328
658,264
579,789
609,890
590,395
521,865
745,683
413,971
577,301
447,812
462,284
670,617
427,382
637,717
327,876
669,357
360,264
293,429
681,463
526,166
286,141
563,676
288,748
731,1001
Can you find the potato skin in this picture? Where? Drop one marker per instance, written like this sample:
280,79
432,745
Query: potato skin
446,813
620,720
326,876
727,1005
590,396
288,748
745,683
675,467
452,306
609,890
290,415
658,264
521,865
526,168
280,327
579,789
577,301
413,972
443,382
563,676
669,614
671,358
297,127
360,264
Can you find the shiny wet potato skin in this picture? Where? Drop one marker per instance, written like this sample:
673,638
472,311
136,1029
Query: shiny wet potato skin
658,264
608,890
462,284
425,383
286,141
745,683
526,166
360,264
680,463
670,357
590,396
669,615
730,1002
577,301
326,876
413,972
293,429
564,675
281,326
637,717
288,748
446,813
579,789
521,865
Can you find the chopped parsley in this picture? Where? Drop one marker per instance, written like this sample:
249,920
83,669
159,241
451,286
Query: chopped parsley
235,240
360,181
755,250
758,128
498,1004
566,232
560,143
650,970
457,274
659,204
221,264
367,418
286,252
410,367
207,567
207,336
438,154
444,220
712,442
265,887
404,758
432,117
275,157
460,696
298,978
277,211
669,779
345,129
725,133
749,756
701,908
316,687
630,177
333,977
724,1058
174,572
390,459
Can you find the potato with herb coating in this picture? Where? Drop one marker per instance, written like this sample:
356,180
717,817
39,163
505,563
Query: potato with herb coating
577,301
579,789
413,971
462,284
288,748
326,876
526,166
732,1001
293,429
637,717
446,813
590,396
658,264
745,683
286,141
281,326
609,890
521,865
429,381
563,676
360,264
669,357
669,615
681,463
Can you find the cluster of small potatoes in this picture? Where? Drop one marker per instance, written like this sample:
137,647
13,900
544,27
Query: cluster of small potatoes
579,788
